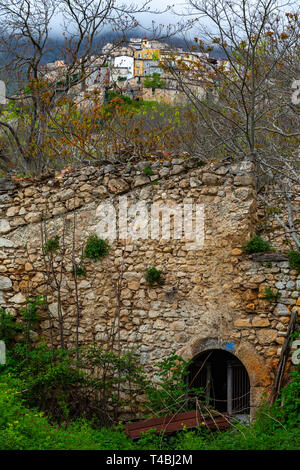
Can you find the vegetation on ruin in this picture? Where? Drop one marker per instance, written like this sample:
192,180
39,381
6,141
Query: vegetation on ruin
256,244
154,81
54,393
154,277
271,295
96,248
168,395
79,269
51,245
148,171
294,260
23,428
50,398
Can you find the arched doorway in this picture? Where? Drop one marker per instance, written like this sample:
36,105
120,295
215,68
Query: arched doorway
224,379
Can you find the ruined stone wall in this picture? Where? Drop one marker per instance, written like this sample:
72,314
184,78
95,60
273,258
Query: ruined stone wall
170,95
212,296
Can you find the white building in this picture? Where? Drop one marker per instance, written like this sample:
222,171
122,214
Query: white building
123,66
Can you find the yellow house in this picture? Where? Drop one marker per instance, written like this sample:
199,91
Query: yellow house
140,56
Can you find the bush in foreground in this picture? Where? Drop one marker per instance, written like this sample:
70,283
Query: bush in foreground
23,428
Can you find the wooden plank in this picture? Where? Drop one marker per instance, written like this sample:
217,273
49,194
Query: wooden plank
174,423
168,418
173,427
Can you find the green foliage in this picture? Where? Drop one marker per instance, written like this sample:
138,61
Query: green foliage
154,81
80,270
119,370
294,260
9,328
168,392
112,95
33,306
148,171
51,245
64,384
96,248
241,437
30,314
24,428
48,377
256,245
145,106
154,276
288,405
271,295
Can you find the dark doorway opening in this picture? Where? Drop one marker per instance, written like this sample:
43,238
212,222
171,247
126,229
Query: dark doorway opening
224,379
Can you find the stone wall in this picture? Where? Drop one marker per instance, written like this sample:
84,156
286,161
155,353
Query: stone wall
212,296
170,95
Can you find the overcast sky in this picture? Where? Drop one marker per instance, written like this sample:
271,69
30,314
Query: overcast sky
145,18
179,6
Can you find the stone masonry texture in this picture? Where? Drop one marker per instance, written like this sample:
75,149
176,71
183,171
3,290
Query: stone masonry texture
212,296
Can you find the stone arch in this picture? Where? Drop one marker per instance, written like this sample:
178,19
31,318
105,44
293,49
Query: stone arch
259,374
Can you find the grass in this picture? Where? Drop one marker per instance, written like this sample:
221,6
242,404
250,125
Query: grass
23,428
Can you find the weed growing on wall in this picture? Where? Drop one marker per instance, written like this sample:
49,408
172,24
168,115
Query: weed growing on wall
256,245
51,245
271,295
148,171
294,260
96,248
153,277
80,270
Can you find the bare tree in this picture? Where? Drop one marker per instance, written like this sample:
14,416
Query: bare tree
248,107
30,127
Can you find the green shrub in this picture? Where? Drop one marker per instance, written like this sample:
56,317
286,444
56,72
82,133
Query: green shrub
49,378
256,245
154,81
24,428
30,314
80,270
148,171
294,260
241,437
154,276
96,248
288,405
63,384
9,328
51,245
169,391
271,295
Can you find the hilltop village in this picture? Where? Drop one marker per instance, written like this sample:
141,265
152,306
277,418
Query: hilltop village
142,69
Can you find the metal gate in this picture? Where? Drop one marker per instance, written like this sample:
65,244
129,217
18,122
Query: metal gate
224,380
